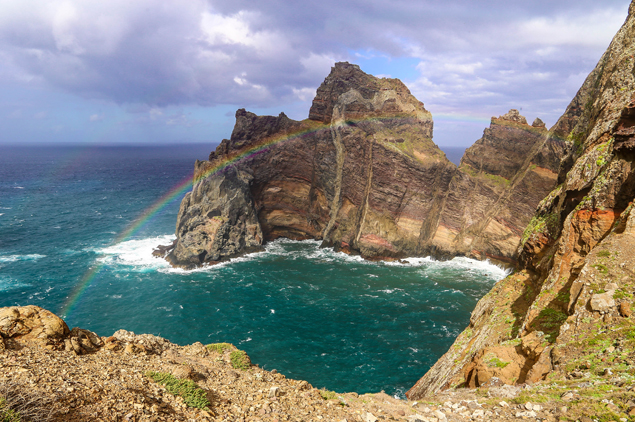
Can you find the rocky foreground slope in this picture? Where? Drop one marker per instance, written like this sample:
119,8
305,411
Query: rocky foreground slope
566,317
51,373
363,175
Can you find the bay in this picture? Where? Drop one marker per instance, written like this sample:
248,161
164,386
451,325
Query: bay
335,320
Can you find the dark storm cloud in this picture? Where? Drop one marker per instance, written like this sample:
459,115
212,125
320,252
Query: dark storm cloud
472,55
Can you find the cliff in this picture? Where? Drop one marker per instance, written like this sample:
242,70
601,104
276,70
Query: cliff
363,175
566,317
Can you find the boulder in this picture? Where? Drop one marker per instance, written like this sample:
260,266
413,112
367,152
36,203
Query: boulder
625,309
602,302
32,324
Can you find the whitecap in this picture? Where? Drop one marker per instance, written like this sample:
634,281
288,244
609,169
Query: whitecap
14,258
8,283
18,187
135,253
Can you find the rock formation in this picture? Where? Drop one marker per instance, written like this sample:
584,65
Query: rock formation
566,315
120,380
363,175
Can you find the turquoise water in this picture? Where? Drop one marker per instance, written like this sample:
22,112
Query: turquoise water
335,320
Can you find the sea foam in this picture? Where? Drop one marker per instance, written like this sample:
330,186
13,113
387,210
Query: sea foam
14,258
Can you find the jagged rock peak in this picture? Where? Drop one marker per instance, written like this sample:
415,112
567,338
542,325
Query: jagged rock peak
538,123
513,116
345,77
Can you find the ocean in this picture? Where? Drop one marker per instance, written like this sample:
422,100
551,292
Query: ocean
77,229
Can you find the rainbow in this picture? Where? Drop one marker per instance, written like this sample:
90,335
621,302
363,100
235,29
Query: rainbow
305,129
176,192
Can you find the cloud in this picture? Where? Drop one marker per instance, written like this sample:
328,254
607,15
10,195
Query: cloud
96,117
474,57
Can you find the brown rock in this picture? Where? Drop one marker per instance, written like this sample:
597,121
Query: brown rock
625,309
32,324
602,302
183,372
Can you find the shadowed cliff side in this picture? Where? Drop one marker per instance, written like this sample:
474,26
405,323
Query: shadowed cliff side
566,315
363,175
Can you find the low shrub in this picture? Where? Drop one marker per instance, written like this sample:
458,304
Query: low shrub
193,395
220,347
19,403
240,360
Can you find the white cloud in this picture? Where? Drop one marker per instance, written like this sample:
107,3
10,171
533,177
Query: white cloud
96,117
476,58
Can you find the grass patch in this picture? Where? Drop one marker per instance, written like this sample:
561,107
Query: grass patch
220,347
564,297
240,360
193,395
621,294
327,394
604,254
601,268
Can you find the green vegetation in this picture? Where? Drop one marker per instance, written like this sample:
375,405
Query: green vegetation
577,138
220,347
551,320
327,394
563,297
494,362
621,294
542,224
493,178
512,342
6,413
239,360
193,395
601,268
604,254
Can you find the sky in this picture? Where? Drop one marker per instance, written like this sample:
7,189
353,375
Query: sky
174,71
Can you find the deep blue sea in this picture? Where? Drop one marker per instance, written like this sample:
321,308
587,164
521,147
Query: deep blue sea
334,320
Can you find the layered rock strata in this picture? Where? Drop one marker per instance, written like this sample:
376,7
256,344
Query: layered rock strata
363,175
567,314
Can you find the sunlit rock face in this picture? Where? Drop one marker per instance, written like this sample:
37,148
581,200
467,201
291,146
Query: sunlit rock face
363,174
576,254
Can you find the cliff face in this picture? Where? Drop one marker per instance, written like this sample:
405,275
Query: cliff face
363,175
567,314
499,183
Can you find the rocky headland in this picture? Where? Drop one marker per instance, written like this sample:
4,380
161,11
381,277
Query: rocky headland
565,316
363,175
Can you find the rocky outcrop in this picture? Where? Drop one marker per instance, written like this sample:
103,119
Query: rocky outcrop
363,175
567,313
32,325
499,183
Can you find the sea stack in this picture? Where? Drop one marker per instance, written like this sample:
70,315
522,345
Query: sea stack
363,175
